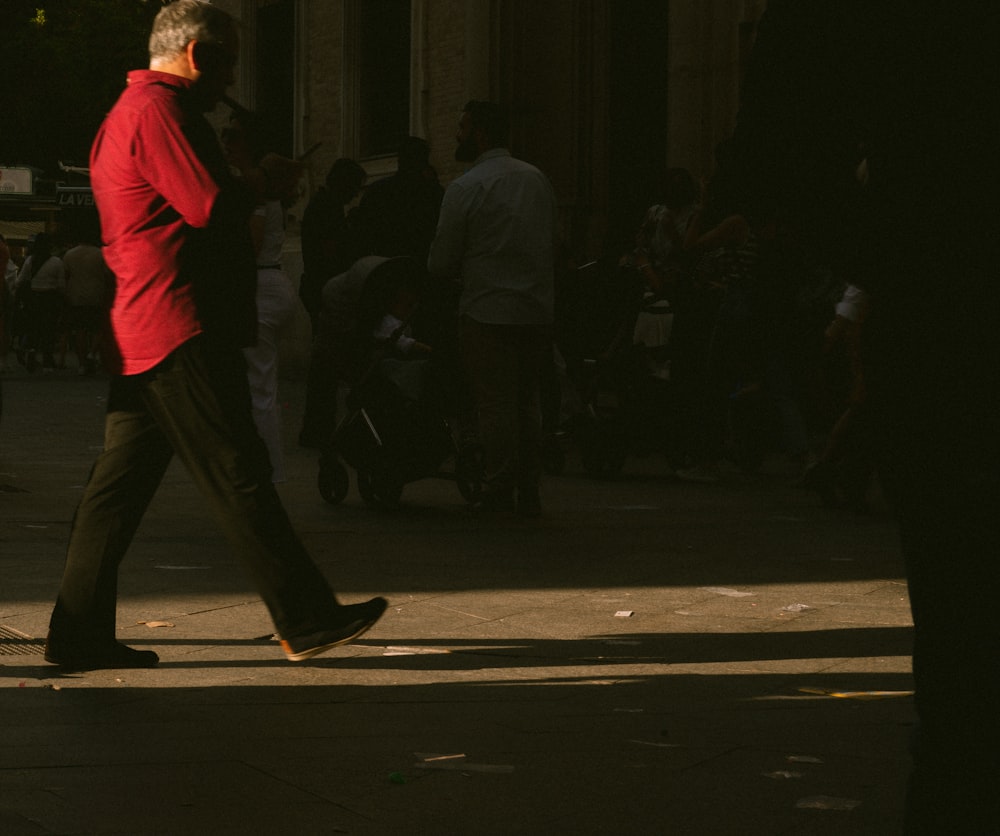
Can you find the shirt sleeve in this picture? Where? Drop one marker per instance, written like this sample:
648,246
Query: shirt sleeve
853,305
448,248
167,158
22,274
61,274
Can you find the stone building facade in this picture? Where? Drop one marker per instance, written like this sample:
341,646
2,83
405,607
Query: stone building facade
602,94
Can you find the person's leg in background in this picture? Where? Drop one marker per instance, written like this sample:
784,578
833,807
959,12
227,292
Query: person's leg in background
492,363
533,344
275,302
319,419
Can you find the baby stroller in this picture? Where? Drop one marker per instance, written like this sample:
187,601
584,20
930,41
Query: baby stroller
396,429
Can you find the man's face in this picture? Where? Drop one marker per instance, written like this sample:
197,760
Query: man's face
467,148
215,65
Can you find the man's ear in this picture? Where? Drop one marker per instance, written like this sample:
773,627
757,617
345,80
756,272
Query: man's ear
195,53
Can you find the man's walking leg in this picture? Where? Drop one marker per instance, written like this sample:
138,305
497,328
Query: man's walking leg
122,483
202,400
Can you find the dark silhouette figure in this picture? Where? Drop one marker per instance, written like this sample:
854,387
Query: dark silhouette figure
330,245
398,214
914,83
329,238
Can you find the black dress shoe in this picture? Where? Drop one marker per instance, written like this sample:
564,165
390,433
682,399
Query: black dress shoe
86,657
352,621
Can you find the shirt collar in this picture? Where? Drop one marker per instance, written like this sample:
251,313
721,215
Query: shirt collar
156,76
490,154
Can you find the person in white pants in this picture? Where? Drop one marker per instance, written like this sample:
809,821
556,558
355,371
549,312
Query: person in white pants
276,302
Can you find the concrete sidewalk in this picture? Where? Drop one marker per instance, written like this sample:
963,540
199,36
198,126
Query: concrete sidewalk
650,656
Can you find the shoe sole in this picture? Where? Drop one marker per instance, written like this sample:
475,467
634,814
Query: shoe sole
82,665
302,655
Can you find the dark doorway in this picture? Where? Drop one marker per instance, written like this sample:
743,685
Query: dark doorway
275,73
638,112
384,74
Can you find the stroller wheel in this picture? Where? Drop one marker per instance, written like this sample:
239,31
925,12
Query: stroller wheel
469,472
332,480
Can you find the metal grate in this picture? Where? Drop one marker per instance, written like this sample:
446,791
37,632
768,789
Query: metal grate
15,643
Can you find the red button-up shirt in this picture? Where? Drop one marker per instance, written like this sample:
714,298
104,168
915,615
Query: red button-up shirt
179,250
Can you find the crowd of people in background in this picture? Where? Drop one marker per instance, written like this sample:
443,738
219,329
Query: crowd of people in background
55,303
727,337
754,329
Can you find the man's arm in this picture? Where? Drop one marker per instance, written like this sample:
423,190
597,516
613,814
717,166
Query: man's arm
448,248
170,156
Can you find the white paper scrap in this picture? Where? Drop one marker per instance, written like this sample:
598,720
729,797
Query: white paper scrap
826,802
624,614
458,763
723,590
657,744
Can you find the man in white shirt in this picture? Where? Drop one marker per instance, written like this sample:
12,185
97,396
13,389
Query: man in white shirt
495,236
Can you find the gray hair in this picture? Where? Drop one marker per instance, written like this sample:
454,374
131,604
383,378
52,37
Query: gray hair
183,21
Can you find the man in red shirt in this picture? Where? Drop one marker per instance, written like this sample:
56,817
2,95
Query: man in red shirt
176,230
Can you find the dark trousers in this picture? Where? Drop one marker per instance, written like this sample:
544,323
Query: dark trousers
195,404
44,309
504,365
327,367
699,433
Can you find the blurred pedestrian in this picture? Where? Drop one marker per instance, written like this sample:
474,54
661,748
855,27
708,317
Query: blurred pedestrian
40,289
89,290
275,180
6,303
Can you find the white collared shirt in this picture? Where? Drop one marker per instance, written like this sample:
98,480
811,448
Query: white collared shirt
496,235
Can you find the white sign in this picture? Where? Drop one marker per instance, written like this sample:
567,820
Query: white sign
16,181
74,196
